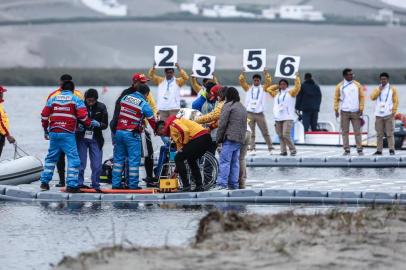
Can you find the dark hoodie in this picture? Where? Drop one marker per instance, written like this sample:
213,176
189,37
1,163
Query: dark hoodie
309,97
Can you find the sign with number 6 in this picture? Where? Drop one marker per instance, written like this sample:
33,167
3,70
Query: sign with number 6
287,66
166,56
203,66
254,59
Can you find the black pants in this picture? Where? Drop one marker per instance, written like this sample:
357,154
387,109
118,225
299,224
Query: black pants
310,120
2,142
149,159
191,152
60,165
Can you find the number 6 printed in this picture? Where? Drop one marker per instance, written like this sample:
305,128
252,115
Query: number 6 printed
287,66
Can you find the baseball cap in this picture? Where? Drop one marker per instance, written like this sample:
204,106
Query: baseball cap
214,92
2,89
139,77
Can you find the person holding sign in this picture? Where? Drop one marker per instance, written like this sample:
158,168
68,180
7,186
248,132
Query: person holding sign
349,103
255,102
284,112
387,102
168,90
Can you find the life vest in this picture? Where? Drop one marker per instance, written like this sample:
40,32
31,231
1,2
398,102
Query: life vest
131,114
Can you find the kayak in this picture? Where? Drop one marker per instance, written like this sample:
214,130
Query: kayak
116,191
23,170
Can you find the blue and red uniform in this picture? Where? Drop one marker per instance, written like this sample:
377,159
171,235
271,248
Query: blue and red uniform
133,110
59,118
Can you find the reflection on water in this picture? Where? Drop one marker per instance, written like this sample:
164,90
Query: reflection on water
38,235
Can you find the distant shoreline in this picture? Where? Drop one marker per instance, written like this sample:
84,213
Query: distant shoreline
120,77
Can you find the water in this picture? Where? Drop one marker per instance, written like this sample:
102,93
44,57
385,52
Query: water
35,235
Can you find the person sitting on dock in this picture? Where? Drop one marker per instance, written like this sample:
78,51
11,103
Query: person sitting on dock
192,142
349,103
168,90
59,120
255,102
133,109
284,112
4,123
386,105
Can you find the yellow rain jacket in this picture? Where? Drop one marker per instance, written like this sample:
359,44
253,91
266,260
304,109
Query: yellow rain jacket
182,131
212,117
197,87
4,123
273,89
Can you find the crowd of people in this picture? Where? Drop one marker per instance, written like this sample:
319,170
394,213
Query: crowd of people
74,125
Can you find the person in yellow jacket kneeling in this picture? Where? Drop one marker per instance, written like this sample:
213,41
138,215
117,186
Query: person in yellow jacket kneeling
192,142
4,123
387,102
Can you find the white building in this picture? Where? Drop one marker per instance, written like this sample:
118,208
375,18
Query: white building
190,7
226,11
107,7
302,13
387,16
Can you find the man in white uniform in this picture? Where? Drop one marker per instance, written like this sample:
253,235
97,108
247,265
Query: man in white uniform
168,90
349,102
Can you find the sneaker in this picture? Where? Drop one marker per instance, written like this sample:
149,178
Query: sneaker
283,154
150,180
73,190
60,184
346,153
377,153
293,154
219,188
152,185
85,187
392,152
44,186
360,153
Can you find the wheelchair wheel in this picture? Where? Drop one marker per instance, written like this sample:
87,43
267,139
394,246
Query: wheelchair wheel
209,170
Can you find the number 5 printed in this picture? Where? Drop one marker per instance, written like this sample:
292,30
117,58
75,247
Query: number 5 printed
254,59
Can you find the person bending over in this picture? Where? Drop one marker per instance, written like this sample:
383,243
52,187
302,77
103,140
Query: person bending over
192,141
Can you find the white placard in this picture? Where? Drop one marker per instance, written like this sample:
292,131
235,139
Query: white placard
254,59
287,66
203,66
166,56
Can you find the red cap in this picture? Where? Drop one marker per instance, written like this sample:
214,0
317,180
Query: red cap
2,89
139,77
214,92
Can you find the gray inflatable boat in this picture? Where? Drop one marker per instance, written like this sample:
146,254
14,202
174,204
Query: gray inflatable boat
23,170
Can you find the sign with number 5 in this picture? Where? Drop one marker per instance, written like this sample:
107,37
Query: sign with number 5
203,66
254,59
166,56
287,66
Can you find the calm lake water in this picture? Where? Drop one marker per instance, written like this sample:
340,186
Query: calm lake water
34,236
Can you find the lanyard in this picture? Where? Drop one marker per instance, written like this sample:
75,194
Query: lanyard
342,90
387,95
168,84
252,93
283,100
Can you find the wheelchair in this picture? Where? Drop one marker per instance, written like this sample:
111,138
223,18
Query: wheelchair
208,164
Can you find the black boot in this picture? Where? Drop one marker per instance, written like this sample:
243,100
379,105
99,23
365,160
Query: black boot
61,179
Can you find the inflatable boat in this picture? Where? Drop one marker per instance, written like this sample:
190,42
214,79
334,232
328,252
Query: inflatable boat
23,170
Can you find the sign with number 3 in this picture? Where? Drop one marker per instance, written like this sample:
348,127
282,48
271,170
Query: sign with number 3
203,66
287,66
